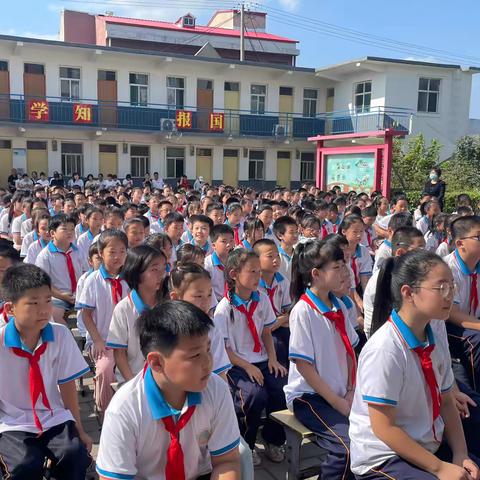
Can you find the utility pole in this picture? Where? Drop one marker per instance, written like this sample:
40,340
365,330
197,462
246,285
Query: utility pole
242,32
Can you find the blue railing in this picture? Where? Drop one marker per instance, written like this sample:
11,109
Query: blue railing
237,123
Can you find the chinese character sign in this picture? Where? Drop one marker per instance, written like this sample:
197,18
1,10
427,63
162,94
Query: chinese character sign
82,113
216,122
38,111
183,119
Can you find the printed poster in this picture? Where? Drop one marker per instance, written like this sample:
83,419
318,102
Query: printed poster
353,171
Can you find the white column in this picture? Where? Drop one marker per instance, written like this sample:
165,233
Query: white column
271,164
123,160
157,159
242,165
217,163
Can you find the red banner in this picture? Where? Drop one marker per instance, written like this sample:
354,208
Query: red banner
82,113
216,123
38,111
183,119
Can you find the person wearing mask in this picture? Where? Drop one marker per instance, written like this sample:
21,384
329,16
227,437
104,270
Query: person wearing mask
435,186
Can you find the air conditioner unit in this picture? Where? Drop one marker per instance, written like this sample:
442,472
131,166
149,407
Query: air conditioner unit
279,130
167,125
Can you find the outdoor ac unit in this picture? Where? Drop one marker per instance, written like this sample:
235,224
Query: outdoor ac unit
167,125
280,130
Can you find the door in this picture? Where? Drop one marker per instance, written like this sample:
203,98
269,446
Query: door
37,157
4,91
107,98
232,108
284,166
204,103
33,83
5,161
330,100
107,159
230,167
204,164
285,107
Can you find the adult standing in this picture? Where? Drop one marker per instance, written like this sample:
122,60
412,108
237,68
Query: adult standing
435,186
199,183
12,179
56,180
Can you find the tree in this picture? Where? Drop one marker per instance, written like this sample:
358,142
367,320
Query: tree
411,166
462,171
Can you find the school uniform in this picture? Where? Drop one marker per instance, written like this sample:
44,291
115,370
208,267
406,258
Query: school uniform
361,263
26,432
100,294
384,221
187,236
465,342
279,295
5,226
237,232
368,238
242,324
26,227
433,240
369,301
207,248
216,269
246,245
316,339
79,230
423,224
285,263
17,224
444,248
151,217
383,252
135,441
325,229
395,352
83,244
64,269
157,226
33,250
27,241
80,285
270,235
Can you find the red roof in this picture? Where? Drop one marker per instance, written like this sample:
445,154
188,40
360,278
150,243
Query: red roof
226,32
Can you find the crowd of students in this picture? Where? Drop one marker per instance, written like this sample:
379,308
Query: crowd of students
213,309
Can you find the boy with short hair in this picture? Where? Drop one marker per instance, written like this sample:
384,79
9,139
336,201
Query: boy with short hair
234,220
369,215
222,238
135,232
165,207
153,206
94,219
40,417
265,214
321,212
286,231
114,218
215,213
201,226
194,431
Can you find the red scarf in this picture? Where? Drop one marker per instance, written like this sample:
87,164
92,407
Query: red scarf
353,263
116,285
37,387
175,468
324,230
271,297
257,347
71,271
236,236
338,320
369,237
4,314
473,294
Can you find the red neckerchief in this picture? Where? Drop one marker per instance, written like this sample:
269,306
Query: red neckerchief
4,314
236,236
37,388
116,286
251,324
369,237
324,230
338,319
271,296
473,293
353,264
175,468
71,270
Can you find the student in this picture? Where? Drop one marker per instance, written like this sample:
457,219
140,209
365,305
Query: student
103,290
135,232
190,253
8,256
253,230
234,219
286,231
396,428
446,247
82,226
14,211
309,228
18,221
38,359
114,218
38,239
321,377
144,272
399,204
176,384
215,213
62,262
164,208
201,227
162,242
222,238
245,317
277,289
94,219
153,205
173,227
437,232
265,214
321,212
430,209
369,214
463,326
333,217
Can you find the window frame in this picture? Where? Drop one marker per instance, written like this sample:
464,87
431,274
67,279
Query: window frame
428,92
33,63
306,165
169,158
140,158
258,164
257,97
177,105
363,94
311,102
70,98
139,87
67,157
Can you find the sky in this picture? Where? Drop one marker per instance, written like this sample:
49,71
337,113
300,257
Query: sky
441,31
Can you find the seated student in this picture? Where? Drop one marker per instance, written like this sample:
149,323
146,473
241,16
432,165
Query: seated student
62,262
165,207
215,213
437,232
418,213
69,205
40,359
222,238
309,228
35,241
8,256
253,230
369,214
94,219
135,232
144,272
265,214
384,251
321,377
201,226
18,221
27,226
286,231
179,392
234,220
277,289
397,428
103,290
463,326
430,209
399,204
56,204
446,247
190,253
245,316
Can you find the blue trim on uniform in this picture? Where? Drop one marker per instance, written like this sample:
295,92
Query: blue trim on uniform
79,306
216,260
388,243
157,403
410,339
463,266
284,253
300,356
115,345
225,449
381,401
12,337
320,305
445,390
90,235
43,244
73,377
138,303
246,244
81,228
270,323
104,273
237,301
35,236
162,225
346,301
220,370
54,249
119,476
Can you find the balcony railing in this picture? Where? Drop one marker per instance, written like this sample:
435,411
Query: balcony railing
237,123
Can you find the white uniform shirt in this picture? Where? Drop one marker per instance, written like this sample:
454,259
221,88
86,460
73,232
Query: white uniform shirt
157,226
17,223
285,263
5,225
27,240
152,218
363,262
369,301
34,250
134,442
368,234
314,339
389,355
96,295
236,333
383,252
83,244
281,296
216,269
384,221
443,249
79,230
26,227
80,285
61,362
423,224
351,309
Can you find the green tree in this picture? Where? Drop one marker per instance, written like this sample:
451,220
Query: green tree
462,171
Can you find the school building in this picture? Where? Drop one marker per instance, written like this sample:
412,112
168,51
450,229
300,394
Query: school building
118,95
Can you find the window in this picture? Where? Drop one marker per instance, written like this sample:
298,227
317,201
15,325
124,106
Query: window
309,102
363,96
6,144
138,89
307,166
230,152
34,68
188,21
232,87
428,95
287,91
256,165
258,94
107,75
3,66
34,145
205,84
176,92
69,83
72,158
107,148
283,154
175,162
139,160
204,152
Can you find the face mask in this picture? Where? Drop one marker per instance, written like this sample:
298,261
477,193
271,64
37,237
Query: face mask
433,177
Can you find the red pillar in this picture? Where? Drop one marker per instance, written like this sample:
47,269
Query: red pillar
320,181
387,164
